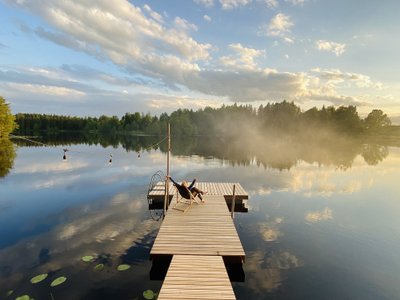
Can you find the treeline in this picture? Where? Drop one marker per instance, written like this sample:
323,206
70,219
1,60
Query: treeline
36,124
226,121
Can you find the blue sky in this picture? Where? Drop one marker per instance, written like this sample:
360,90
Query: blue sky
95,57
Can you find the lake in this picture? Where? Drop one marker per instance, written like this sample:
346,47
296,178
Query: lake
322,223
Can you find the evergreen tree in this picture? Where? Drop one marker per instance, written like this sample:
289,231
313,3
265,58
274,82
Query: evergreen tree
7,119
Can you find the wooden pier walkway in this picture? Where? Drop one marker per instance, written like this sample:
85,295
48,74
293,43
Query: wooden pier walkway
196,277
199,241
212,188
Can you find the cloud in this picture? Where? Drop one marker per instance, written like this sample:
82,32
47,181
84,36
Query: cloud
336,76
283,261
243,59
184,24
158,54
247,85
206,3
269,230
336,48
319,216
270,3
271,270
156,16
111,229
230,4
124,34
279,26
207,18
296,2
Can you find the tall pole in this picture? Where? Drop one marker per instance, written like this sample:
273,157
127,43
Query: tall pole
166,200
233,202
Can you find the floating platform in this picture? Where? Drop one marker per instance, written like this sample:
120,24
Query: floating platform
156,194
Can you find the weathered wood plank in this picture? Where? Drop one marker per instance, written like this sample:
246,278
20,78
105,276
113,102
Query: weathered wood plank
223,188
205,229
196,277
198,240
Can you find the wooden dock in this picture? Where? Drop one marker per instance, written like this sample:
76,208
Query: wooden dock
199,241
213,189
196,277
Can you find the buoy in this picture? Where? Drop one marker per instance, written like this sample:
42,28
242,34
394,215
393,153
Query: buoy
65,154
110,161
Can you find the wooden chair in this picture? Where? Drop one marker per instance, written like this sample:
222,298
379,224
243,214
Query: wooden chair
184,198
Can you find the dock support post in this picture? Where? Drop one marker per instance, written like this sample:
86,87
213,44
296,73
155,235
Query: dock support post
166,199
233,202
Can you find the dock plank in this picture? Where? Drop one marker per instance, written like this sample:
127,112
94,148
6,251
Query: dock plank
196,277
199,240
205,229
219,188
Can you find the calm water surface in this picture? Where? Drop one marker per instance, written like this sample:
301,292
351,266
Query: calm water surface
313,231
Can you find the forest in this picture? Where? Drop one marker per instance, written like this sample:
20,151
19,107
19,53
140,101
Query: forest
227,121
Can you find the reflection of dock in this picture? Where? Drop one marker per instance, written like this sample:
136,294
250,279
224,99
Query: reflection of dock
201,242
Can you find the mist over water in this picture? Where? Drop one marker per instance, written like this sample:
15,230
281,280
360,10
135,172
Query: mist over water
322,220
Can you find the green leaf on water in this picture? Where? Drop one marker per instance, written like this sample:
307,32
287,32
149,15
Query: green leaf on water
87,258
148,294
39,278
98,267
58,281
23,297
123,267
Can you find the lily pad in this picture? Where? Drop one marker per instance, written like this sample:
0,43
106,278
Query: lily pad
9,293
58,281
98,267
23,297
123,267
149,294
39,278
87,258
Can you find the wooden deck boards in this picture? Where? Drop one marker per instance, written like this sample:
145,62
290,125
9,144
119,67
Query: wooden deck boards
199,240
212,188
196,277
205,229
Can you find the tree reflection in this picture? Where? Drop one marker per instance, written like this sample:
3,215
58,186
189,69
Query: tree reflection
269,150
7,156
374,154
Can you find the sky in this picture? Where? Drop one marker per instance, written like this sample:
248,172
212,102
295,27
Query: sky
94,57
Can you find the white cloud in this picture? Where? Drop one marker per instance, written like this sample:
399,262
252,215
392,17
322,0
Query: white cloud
184,24
120,32
156,16
296,2
161,54
279,26
270,3
207,18
336,76
269,232
336,48
230,4
46,90
243,58
319,216
164,103
50,167
206,3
